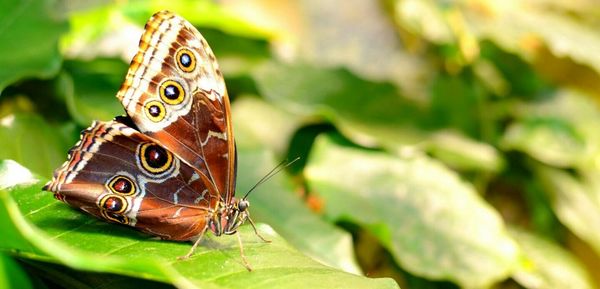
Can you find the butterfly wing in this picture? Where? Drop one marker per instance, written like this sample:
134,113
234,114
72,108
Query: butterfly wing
119,174
175,93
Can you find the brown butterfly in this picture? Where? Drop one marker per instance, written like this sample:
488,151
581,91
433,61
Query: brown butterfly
168,168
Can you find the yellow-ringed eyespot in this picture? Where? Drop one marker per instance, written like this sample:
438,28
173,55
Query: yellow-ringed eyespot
154,158
122,185
155,110
114,217
186,60
171,92
113,204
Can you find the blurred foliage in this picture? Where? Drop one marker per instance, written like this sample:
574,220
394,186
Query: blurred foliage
443,144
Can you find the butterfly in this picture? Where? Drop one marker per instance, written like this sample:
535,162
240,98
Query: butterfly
167,168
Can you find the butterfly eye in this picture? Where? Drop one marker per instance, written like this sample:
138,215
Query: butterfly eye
243,205
113,204
155,110
122,185
154,158
172,92
186,60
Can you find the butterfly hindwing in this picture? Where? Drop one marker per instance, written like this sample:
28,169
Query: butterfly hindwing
119,174
175,93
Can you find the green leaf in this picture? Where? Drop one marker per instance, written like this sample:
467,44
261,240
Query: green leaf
237,55
54,275
465,153
434,224
28,139
337,95
561,131
260,130
41,228
94,86
546,265
259,123
457,101
513,73
424,18
576,201
551,140
29,32
12,274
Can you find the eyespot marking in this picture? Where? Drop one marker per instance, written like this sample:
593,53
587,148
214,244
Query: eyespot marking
186,60
154,158
171,92
122,185
155,110
112,203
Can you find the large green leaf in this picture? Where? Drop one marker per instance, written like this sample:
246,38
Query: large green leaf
434,224
38,227
29,32
546,265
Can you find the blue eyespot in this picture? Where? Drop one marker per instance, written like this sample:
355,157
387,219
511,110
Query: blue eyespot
185,60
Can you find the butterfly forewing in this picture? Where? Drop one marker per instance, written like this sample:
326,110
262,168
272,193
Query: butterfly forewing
119,174
175,93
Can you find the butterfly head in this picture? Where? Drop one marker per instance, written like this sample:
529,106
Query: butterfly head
228,218
243,205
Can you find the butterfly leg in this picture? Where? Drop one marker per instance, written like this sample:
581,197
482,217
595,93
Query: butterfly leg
246,264
256,231
191,252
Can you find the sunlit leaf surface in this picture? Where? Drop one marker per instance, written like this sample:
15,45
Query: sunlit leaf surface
546,265
434,224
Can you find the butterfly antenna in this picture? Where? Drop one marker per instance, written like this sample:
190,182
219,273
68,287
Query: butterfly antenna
282,165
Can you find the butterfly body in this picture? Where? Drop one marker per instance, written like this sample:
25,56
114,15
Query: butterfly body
168,168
